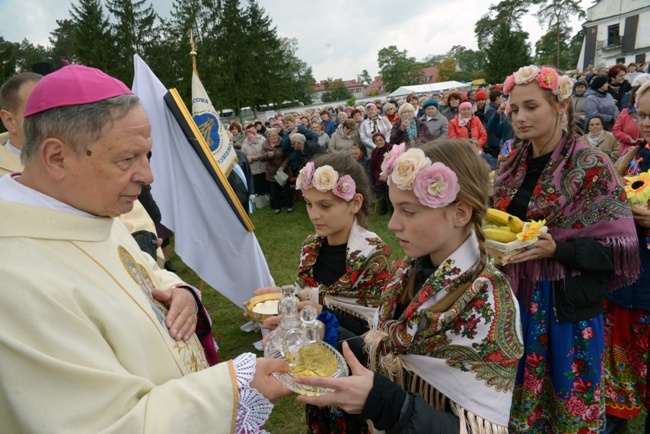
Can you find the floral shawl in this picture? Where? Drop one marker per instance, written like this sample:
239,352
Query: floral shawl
367,260
470,352
580,195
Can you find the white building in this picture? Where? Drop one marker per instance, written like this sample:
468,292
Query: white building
616,31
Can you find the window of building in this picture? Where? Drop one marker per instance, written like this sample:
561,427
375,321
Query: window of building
613,35
620,60
640,58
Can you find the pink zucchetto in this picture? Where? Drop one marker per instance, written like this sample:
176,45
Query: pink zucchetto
73,85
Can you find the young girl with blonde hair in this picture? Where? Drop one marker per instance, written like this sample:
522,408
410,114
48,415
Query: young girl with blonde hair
448,324
343,265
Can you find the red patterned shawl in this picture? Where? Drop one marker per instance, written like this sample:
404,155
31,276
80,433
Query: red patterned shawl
580,195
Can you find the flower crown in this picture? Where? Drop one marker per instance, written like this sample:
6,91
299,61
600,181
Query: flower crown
435,185
639,93
546,77
324,179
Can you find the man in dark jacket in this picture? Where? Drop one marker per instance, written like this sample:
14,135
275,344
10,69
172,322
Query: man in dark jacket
293,127
305,149
494,138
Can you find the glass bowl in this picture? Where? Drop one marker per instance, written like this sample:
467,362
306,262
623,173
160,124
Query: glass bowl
289,381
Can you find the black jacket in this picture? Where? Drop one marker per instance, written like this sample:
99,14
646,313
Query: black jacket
578,298
392,409
309,151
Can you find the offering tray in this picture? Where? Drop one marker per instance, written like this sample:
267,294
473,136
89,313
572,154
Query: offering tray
289,380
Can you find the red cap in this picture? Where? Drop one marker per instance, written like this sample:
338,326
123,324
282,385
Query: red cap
481,95
73,85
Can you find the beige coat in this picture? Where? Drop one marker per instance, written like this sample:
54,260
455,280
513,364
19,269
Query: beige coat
607,143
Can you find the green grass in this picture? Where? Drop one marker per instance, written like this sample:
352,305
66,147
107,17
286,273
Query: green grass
281,237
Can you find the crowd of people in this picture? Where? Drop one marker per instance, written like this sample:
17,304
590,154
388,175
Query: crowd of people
440,341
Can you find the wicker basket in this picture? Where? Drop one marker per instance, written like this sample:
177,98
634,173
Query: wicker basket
502,252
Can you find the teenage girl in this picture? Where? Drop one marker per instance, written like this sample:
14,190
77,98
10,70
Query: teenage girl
343,265
448,324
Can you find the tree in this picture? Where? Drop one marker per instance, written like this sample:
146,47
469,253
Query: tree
575,46
546,51
169,56
447,69
91,37
508,52
364,77
62,41
336,91
468,60
397,68
509,12
8,56
555,14
433,59
29,54
132,32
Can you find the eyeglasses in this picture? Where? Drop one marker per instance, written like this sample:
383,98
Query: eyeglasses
639,118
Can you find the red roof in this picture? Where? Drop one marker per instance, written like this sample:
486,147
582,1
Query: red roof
430,75
377,84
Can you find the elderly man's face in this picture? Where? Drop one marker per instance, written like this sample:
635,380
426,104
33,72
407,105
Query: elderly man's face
297,145
108,181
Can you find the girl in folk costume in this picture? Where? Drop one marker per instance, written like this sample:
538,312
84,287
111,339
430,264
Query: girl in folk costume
627,310
448,321
343,266
561,281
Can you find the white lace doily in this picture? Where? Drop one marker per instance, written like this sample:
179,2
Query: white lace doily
254,409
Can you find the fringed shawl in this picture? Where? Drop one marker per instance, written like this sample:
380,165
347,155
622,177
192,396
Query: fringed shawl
580,196
366,266
469,352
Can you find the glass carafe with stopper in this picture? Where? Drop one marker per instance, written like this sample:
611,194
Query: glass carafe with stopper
305,352
288,308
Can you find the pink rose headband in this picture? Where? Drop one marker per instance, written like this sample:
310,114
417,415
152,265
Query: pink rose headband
324,179
547,78
435,185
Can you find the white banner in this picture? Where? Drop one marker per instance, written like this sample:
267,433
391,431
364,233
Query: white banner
213,131
209,237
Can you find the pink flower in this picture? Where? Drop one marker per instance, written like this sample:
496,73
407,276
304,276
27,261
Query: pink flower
389,160
591,413
436,186
509,84
304,180
587,333
578,366
582,386
547,78
576,406
532,382
345,188
533,360
533,307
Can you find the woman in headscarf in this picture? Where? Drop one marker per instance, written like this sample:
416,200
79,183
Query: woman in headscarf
467,126
591,247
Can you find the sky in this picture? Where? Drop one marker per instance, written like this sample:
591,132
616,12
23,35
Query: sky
338,39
